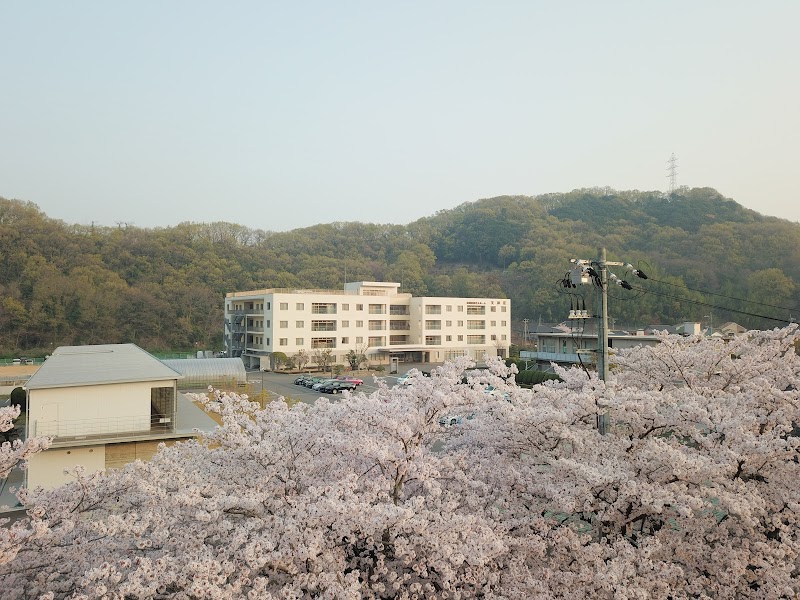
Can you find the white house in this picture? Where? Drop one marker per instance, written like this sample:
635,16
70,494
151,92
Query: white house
104,406
368,314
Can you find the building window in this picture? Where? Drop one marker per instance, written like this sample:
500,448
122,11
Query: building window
502,309
433,309
284,306
476,339
299,324
503,323
449,308
448,338
359,323
345,307
433,340
503,337
284,324
298,341
300,306
461,323
494,309
430,324
449,323
323,325
460,309
476,324
323,342
376,341
359,307
399,325
461,338
494,323
494,337
377,325
359,340
323,308
475,309
345,340
398,309
377,309
345,323
283,342
548,345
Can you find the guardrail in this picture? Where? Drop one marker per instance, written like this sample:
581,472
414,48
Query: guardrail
110,427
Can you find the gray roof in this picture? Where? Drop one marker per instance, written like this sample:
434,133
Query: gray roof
71,366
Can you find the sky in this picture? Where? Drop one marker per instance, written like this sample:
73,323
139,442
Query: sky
280,115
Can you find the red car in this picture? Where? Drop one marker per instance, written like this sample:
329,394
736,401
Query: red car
349,379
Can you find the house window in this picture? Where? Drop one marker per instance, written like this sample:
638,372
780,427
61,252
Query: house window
284,306
548,346
298,341
284,324
162,402
299,324
283,342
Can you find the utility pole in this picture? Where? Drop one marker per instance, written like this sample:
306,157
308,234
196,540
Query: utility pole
525,330
597,270
602,334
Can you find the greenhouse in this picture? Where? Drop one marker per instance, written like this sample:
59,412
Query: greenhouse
199,373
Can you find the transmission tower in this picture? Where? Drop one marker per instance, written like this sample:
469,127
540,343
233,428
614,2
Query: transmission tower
672,173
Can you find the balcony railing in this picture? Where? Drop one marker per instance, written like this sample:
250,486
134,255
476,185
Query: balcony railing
98,429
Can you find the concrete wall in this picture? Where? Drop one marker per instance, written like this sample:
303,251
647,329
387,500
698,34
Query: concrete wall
46,469
91,409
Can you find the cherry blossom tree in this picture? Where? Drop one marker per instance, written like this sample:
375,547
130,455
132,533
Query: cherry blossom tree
692,494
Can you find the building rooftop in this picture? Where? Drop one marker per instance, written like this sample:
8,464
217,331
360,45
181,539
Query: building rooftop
71,366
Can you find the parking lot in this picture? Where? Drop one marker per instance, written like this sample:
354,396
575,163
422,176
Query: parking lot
282,384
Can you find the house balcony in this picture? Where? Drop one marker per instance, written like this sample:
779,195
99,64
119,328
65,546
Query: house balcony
87,431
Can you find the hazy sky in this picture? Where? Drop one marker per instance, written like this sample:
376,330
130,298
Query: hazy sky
279,115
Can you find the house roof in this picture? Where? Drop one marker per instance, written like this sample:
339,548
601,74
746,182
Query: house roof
71,366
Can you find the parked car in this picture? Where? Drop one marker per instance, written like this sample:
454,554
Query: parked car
310,381
300,380
322,382
355,380
335,386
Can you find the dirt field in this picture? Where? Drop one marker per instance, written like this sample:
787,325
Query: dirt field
18,370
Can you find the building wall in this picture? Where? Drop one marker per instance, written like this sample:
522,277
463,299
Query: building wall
91,409
46,469
363,315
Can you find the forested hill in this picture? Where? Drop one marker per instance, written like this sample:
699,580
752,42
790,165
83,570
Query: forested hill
163,288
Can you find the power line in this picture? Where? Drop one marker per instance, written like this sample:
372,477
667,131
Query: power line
741,312
686,287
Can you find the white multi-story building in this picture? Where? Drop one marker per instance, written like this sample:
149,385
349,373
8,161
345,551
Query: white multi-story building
369,315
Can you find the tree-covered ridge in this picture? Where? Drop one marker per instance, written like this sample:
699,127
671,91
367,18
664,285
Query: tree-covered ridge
162,288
